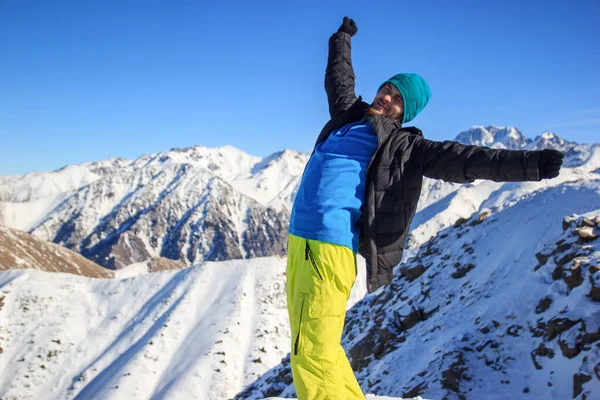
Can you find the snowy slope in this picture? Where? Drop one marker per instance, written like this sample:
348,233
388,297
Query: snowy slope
505,303
198,333
203,332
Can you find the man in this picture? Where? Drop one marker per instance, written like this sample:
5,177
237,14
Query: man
359,193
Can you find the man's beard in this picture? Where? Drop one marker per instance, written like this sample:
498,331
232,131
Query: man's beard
375,111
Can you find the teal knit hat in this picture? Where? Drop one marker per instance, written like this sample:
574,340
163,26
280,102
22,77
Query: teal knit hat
415,93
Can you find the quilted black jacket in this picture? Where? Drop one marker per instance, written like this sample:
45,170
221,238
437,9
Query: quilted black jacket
396,170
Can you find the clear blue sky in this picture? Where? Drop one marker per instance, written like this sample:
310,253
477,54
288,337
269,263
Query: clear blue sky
88,80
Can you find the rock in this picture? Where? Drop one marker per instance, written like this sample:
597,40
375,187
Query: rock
588,222
543,305
462,271
566,223
483,216
586,233
578,380
541,351
556,326
415,391
558,273
460,222
413,273
542,258
164,264
452,376
574,277
514,330
595,292
567,351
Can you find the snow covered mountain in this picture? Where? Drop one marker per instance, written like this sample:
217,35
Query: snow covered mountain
190,205
504,304
494,136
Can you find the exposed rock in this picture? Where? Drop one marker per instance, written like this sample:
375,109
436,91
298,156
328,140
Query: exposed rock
361,353
543,305
556,326
413,273
588,222
542,258
541,351
595,291
416,390
586,234
573,276
20,250
460,222
462,271
578,381
452,376
482,217
164,264
514,330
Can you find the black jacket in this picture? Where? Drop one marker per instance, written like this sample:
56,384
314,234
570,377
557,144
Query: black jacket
396,170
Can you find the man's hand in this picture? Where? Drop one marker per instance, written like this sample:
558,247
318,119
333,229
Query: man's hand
549,163
348,26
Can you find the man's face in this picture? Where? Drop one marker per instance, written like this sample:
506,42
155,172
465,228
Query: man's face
388,102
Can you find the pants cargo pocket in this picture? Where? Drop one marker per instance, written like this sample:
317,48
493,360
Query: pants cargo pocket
323,325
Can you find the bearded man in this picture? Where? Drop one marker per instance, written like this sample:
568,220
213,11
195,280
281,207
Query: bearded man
359,194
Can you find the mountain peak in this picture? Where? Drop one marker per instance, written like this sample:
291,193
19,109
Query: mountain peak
495,136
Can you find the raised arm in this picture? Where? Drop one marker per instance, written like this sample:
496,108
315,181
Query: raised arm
339,76
459,163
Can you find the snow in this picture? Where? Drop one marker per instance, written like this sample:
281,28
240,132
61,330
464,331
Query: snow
196,333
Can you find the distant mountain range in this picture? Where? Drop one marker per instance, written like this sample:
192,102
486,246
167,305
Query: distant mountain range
190,205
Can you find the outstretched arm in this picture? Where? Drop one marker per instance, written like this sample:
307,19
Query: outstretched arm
339,76
459,163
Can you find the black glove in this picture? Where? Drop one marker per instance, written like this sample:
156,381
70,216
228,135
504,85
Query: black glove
348,26
549,163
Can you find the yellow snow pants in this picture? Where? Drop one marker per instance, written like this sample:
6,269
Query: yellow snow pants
319,278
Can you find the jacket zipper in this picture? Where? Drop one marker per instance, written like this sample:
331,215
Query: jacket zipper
299,329
309,255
